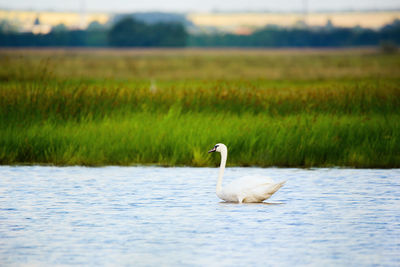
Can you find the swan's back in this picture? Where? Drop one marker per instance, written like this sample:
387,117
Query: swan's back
248,182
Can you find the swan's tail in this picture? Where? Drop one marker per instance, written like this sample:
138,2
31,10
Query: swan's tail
268,192
276,186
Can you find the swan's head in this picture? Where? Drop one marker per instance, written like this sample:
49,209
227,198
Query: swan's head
218,148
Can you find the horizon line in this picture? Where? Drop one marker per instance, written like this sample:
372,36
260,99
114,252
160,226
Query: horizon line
214,11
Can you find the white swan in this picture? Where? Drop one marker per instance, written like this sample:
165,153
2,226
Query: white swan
246,189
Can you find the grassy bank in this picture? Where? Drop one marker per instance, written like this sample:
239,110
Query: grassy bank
283,108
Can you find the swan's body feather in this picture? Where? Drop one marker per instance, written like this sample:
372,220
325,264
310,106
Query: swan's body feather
249,189
245,189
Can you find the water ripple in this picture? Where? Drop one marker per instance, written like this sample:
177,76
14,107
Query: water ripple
170,216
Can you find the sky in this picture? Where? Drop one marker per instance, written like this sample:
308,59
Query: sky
199,5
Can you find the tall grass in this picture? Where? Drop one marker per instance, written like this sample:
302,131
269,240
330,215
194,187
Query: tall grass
283,109
183,139
30,100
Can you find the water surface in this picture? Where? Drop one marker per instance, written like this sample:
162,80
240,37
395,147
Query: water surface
171,216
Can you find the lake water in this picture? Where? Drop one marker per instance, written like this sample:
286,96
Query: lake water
151,216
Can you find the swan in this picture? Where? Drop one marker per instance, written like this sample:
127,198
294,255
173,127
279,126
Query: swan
247,189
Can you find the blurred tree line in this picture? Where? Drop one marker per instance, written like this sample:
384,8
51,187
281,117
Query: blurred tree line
273,36
129,32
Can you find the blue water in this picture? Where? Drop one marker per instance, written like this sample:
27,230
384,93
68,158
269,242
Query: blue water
150,216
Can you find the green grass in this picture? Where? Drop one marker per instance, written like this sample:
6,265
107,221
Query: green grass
283,108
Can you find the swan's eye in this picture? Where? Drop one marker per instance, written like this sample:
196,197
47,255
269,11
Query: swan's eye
216,146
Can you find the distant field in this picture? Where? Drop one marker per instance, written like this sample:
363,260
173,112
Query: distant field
254,20
71,19
299,108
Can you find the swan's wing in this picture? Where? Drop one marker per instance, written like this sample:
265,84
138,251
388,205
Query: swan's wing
253,188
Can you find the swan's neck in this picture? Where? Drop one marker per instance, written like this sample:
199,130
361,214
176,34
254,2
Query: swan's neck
224,155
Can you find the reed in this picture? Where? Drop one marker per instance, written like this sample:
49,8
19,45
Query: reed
168,108
177,138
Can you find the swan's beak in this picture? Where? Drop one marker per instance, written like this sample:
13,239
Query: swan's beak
212,150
